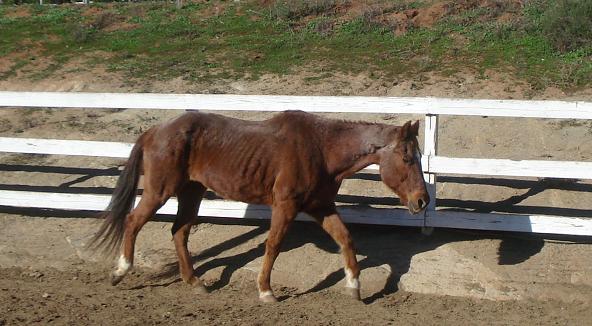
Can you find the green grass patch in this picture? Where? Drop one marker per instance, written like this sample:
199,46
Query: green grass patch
246,40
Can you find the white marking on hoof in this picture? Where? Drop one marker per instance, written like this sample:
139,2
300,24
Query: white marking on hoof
123,266
264,294
350,281
267,297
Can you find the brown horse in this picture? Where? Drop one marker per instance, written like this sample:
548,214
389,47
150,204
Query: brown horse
293,162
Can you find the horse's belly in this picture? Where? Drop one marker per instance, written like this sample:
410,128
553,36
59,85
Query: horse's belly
237,187
251,195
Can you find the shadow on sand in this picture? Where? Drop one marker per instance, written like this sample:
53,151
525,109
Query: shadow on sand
394,246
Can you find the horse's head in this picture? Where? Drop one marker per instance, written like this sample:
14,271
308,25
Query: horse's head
400,168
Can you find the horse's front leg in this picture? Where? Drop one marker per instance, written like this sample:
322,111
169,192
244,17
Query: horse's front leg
281,217
332,224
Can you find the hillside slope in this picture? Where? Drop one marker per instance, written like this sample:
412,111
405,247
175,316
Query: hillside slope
531,45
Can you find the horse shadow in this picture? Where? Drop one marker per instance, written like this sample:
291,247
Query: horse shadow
394,246
378,245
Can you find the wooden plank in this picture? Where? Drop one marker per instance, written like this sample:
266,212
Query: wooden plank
219,208
511,168
430,149
218,102
512,222
514,108
79,148
436,164
65,147
338,104
210,208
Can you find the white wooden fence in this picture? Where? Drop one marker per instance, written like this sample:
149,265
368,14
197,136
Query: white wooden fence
433,164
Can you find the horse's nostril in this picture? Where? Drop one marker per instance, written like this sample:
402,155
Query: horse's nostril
421,203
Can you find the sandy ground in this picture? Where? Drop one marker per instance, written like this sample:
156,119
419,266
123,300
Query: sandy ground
451,277
534,281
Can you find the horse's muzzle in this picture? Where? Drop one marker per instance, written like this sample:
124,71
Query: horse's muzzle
418,204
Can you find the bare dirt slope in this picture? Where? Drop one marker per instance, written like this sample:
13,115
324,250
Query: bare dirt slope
451,277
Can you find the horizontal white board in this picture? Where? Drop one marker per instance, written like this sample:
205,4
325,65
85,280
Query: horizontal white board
339,104
65,147
511,168
437,164
511,222
79,148
228,209
210,208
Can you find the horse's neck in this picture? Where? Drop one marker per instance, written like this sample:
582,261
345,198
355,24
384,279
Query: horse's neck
353,146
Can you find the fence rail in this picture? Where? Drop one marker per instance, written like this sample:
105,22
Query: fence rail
327,104
433,163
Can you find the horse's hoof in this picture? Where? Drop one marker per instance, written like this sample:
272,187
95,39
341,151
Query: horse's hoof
354,293
197,285
269,298
115,279
200,289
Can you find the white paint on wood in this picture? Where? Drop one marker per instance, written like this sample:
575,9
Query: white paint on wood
431,135
512,222
80,148
511,168
338,104
227,209
429,150
65,147
209,208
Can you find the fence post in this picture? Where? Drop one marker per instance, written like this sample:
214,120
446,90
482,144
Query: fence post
430,147
179,3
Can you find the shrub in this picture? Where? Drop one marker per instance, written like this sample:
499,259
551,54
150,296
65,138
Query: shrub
568,24
296,9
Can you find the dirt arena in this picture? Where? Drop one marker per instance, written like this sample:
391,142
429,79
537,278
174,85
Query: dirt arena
58,286
451,277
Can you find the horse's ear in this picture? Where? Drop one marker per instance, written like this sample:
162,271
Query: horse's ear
404,131
414,130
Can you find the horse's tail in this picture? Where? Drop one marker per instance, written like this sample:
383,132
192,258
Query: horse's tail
110,235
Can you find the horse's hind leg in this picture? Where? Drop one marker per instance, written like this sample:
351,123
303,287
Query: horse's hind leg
161,181
189,198
134,221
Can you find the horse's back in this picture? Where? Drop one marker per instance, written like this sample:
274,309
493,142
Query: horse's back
238,159
242,160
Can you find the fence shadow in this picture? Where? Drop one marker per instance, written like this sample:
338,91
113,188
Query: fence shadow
508,205
394,246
